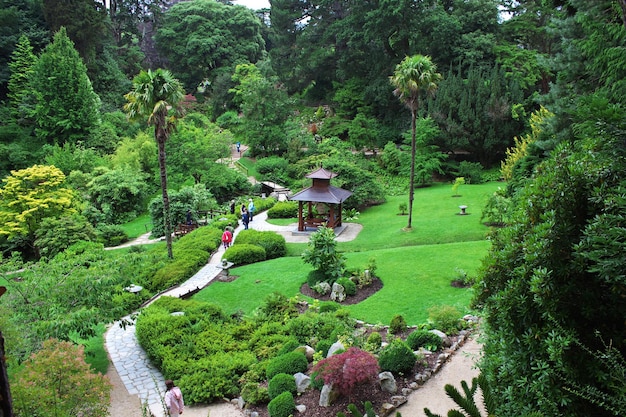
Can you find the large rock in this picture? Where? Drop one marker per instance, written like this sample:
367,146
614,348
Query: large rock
338,293
335,347
303,382
387,382
327,396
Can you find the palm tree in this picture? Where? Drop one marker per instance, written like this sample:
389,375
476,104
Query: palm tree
158,96
415,74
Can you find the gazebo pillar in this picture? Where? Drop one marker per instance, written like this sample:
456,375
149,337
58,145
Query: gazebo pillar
300,217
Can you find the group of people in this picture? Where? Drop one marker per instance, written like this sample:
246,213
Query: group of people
247,213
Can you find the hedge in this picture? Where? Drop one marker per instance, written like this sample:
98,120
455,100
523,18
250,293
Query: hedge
244,254
283,210
274,244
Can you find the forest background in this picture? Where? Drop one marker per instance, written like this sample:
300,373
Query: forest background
307,83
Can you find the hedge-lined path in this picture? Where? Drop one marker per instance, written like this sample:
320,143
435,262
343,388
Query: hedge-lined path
143,382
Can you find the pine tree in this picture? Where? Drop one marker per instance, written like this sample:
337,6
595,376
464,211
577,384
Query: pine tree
66,108
22,63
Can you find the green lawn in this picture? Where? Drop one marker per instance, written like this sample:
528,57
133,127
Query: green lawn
138,227
416,266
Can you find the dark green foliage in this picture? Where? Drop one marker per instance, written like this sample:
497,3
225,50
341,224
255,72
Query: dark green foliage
111,235
290,363
289,346
425,339
66,107
472,172
245,254
467,401
273,243
556,275
398,324
322,254
348,285
282,406
283,210
281,383
314,277
223,36
277,306
397,357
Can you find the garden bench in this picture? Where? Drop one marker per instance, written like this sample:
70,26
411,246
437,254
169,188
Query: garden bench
182,229
315,222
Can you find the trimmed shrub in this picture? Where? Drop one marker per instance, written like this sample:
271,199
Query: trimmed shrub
184,266
282,406
425,339
329,307
204,238
323,346
274,244
311,326
290,363
289,346
397,325
245,254
254,393
111,235
281,383
374,341
445,318
348,285
283,210
348,369
397,357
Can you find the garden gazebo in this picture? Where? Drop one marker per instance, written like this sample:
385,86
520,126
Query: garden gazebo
323,201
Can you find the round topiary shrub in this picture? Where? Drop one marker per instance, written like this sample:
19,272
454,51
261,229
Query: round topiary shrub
283,210
282,406
281,383
397,325
348,285
245,254
329,307
274,244
374,339
289,346
290,363
254,393
425,339
397,357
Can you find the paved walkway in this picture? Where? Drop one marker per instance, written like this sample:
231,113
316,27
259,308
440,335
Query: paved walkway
139,376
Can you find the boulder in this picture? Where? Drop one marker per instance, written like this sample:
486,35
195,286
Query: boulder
303,382
334,348
338,293
387,382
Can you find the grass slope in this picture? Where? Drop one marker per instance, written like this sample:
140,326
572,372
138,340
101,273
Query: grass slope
416,266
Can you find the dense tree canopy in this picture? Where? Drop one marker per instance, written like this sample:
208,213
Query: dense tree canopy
202,37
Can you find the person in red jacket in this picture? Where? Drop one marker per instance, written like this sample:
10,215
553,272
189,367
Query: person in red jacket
227,238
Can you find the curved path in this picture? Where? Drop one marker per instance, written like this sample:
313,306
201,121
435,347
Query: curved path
131,364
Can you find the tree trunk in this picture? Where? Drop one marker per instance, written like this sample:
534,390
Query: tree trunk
412,178
5,391
161,137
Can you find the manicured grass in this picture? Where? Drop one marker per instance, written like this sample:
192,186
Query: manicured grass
283,222
138,227
250,164
416,266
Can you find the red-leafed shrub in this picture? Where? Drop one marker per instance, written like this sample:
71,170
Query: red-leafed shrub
348,369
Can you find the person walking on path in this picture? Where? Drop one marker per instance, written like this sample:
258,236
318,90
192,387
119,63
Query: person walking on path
245,219
173,399
227,238
251,209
